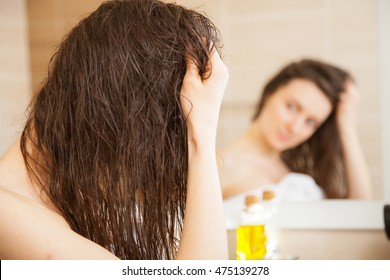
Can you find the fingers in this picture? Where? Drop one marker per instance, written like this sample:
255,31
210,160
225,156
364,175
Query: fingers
217,68
192,79
191,66
192,72
351,89
214,56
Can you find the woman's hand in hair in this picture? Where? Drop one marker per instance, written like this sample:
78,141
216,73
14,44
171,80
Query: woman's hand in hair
359,182
204,233
348,106
201,98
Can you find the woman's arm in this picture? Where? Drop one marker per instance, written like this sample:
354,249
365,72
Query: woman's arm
204,233
359,183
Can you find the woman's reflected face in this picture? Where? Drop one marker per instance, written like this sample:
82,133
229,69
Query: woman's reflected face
292,114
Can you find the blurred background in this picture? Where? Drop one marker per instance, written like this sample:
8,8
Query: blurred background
259,38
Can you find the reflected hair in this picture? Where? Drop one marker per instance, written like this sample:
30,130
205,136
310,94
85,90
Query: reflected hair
321,156
105,139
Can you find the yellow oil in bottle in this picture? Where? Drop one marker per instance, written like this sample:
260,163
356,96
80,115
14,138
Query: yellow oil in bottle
251,242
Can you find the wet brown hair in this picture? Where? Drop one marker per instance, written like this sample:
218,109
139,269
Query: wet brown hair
321,156
106,136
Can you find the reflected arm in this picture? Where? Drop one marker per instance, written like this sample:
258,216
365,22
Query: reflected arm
359,183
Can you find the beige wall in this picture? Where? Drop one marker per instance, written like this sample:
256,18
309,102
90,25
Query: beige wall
49,22
14,70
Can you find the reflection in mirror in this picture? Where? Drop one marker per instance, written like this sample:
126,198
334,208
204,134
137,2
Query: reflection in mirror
261,37
303,128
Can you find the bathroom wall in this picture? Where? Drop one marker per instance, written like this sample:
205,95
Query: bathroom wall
14,70
49,21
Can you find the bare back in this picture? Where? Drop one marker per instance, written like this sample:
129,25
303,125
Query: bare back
29,228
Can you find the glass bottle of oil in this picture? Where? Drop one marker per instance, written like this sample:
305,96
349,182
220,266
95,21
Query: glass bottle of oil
269,206
251,236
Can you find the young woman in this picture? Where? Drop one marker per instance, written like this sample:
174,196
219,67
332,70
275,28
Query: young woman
112,160
304,128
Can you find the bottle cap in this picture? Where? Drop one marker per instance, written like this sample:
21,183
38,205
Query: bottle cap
251,199
268,195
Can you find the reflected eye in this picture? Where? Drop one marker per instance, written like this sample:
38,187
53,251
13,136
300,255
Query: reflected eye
291,106
311,123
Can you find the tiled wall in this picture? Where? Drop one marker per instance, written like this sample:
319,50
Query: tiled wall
49,22
260,36
14,70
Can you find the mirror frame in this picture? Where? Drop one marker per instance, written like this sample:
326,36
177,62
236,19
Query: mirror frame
384,87
330,214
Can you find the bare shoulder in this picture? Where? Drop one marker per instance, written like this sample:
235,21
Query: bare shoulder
235,173
242,169
30,231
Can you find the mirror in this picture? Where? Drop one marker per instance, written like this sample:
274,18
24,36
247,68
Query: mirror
261,37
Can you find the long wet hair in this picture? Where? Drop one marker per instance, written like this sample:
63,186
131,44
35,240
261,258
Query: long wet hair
321,156
106,137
